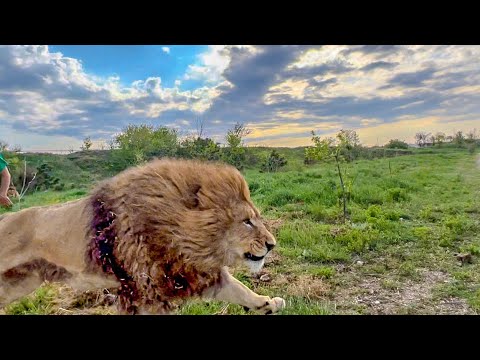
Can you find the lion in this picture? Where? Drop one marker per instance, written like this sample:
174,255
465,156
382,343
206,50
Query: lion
160,233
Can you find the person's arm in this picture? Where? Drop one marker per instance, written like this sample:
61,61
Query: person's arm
4,184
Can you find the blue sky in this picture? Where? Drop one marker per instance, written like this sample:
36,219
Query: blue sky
134,62
51,97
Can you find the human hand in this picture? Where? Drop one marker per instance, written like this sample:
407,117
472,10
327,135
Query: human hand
5,201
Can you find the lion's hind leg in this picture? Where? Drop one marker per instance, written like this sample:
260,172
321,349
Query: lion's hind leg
16,283
24,278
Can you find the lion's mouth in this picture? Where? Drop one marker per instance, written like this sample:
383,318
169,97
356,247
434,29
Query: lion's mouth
252,257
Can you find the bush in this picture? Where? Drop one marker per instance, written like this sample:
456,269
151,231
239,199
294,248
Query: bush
46,180
457,224
273,162
374,211
397,195
199,148
471,148
422,233
234,156
251,159
325,272
138,143
396,144
59,187
358,240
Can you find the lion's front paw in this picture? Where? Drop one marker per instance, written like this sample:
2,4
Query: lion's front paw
272,306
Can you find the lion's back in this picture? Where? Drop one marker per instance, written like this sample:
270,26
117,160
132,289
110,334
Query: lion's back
55,232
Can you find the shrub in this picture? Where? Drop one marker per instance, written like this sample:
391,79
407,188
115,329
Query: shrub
273,162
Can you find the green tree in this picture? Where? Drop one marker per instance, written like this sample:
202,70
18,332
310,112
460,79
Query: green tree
234,152
471,136
458,138
337,149
136,143
440,138
87,143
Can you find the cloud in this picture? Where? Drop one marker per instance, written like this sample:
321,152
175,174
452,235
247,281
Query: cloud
280,91
411,79
166,49
378,65
47,93
377,50
212,63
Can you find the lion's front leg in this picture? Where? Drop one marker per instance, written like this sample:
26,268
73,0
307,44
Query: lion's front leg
233,291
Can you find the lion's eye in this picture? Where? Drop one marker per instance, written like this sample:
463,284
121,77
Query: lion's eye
248,223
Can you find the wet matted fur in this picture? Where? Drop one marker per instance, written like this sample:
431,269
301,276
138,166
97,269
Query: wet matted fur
161,233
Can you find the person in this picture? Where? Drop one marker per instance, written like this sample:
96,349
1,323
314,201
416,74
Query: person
4,183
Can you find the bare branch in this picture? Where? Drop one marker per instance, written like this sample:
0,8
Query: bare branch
24,175
200,126
26,189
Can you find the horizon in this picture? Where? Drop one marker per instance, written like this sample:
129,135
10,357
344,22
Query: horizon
52,97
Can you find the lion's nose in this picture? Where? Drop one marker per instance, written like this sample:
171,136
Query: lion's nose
269,246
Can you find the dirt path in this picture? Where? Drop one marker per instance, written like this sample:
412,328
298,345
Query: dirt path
371,295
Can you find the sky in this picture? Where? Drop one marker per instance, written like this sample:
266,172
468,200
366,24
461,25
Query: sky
52,97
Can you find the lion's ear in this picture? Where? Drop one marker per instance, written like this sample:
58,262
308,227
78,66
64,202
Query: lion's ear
192,201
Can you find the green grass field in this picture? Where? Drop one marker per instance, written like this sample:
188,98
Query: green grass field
409,216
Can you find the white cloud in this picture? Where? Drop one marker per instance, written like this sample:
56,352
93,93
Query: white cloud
315,57
369,122
213,63
44,91
352,81
322,88
166,49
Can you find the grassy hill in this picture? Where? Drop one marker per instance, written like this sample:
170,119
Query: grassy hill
408,217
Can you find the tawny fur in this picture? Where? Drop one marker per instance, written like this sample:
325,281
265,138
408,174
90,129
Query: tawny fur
172,225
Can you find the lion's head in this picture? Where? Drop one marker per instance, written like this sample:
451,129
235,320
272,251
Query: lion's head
248,236
171,225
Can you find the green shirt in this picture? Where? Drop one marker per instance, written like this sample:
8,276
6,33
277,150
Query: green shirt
3,163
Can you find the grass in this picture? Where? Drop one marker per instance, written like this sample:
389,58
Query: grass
408,216
46,198
38,303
